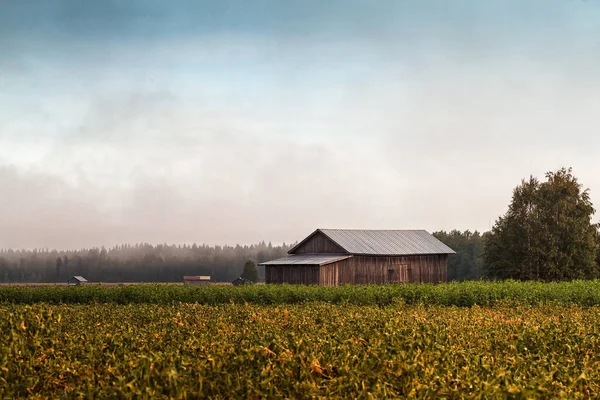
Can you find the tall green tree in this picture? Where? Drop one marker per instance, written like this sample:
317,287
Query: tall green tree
546,234
250,271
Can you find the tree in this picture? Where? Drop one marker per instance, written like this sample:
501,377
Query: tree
598,248
250,271
546,234
467,263
59,264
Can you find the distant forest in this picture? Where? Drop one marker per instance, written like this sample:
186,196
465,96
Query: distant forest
169,263
468,262
134,263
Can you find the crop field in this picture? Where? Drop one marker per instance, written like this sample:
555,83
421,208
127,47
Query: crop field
472,340
584,293
306,350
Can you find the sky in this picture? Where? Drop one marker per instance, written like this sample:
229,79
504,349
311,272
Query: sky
226,122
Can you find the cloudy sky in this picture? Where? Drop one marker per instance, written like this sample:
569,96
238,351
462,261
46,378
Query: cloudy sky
238,121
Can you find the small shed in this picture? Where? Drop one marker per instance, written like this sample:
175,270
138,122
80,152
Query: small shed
333,257
76,280
199,280
242,281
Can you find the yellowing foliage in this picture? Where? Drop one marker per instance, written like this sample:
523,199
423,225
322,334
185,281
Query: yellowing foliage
312,350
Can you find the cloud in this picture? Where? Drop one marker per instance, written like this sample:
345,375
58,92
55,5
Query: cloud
40,210
232,132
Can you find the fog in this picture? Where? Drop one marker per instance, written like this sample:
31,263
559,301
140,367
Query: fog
218,123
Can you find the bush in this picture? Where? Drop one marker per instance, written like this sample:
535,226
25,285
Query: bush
464,294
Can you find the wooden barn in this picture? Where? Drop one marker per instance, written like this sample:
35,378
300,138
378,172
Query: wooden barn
196,280
77,280
332,257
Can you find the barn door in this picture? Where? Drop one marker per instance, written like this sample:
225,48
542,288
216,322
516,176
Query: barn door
393,274
406,273
398,273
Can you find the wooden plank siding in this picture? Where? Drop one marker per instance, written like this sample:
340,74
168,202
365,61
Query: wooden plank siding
293,274
319,243
364,270
409,269
329,275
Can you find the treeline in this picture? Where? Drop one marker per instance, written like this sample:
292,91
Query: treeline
135,263
169,263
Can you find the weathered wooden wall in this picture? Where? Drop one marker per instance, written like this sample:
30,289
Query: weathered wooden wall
383,269
364,270
293,274
329,275
318,243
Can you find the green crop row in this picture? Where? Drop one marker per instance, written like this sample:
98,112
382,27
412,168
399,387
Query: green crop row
586,293
312,350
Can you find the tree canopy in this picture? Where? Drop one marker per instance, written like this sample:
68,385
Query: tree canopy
546,234
250,271
467,263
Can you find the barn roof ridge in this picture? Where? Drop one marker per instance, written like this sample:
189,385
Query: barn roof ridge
382,241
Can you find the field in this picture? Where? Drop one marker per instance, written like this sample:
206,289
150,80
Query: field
585,293
382,346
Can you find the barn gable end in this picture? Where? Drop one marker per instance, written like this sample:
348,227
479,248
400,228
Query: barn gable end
317,242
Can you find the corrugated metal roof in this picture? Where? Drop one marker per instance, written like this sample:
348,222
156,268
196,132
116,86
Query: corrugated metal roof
307,259
387,242
79,278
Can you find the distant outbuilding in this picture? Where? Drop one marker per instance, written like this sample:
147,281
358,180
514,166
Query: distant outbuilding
199,280
76,280
333,257
242,281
